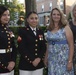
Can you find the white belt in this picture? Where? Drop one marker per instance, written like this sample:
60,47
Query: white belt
5,50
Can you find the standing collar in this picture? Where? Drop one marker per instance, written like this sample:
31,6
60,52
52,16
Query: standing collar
32,28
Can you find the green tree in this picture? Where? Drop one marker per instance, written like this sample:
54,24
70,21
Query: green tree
69,16
14,7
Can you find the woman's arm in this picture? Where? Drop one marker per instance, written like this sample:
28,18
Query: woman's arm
69,37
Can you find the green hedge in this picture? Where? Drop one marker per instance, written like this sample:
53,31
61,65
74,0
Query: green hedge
44,28
15,31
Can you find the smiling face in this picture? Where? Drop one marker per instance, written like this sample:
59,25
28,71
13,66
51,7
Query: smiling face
33,20
56,16
5,17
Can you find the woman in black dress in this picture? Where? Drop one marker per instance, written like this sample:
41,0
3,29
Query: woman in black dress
73,28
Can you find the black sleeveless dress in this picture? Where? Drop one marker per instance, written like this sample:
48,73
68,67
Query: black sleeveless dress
73,28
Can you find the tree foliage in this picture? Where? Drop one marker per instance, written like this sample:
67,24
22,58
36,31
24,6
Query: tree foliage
14,7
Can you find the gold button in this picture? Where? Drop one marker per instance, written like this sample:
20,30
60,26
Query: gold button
35,49
35,53
5,28
8,38
25,56
36,40
35,44
6,31
7,34
28,59
2,64
9,46
8,42
27,28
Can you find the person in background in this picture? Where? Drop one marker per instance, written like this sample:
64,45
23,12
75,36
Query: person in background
31,46
7,45
73,28
60,47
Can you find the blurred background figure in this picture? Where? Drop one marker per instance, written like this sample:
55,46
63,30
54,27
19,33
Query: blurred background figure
72,23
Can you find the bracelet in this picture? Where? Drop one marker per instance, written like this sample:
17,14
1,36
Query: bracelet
69,61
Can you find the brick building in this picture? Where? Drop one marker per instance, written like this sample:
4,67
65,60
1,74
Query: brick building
44,8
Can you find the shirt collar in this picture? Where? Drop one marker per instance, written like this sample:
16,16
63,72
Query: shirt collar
33,28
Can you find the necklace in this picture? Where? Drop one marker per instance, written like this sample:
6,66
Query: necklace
56,27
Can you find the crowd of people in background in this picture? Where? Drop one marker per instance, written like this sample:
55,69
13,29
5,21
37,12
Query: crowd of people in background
57,52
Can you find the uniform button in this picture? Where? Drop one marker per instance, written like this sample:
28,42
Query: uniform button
7,34
6,31
9,46
25,56
36,40
35,44
5,66
8,38
2,64
35,53
5,28
35,49
8,42
27,28
28,59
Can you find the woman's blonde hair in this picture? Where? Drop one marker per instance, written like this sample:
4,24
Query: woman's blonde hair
62,23
72,9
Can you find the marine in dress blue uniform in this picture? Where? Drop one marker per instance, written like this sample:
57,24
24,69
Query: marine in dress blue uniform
7,45
7,48
31,46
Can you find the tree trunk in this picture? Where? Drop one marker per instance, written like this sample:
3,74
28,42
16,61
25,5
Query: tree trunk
30,6
5,2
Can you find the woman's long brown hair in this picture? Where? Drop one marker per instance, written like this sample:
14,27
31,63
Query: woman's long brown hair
62,23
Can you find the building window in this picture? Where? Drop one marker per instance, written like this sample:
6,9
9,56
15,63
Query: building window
42,8
61,5
41,20
50,6
37,0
